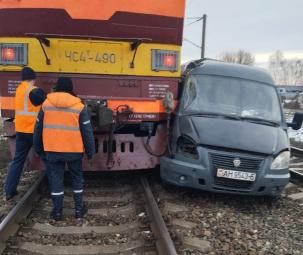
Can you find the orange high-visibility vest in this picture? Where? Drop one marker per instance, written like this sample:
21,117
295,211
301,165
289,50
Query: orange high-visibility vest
61,131
25,112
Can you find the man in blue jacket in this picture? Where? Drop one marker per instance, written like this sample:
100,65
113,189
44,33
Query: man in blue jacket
63,132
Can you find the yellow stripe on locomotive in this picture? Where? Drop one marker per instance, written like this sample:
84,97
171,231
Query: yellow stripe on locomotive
90,56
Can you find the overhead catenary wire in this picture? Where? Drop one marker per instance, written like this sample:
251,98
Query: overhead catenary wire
184,39
189,4
194,22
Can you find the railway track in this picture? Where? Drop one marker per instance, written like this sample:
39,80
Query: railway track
9,225
294,189
123,218
111,226
296,169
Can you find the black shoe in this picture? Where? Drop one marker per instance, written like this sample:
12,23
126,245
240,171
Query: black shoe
80,214
55,216
10,196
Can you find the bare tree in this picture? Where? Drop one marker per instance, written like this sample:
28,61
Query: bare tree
295,71
284,71
278,68
239,57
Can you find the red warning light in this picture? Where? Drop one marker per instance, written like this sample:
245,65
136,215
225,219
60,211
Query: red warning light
8,54
169,61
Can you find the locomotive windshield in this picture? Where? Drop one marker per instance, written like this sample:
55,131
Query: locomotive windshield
237,98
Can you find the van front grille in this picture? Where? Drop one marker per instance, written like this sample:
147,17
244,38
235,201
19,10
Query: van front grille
227,162
223,161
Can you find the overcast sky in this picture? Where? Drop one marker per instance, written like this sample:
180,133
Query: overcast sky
260,27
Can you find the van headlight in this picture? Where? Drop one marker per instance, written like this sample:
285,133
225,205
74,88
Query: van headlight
281,162
187,147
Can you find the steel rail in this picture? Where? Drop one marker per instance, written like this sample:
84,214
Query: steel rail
10,225
298,153
164,242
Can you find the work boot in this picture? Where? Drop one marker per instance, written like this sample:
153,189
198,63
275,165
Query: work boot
80,209
57,209
56,216
11,195
81,213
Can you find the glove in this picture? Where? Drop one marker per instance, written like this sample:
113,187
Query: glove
90,159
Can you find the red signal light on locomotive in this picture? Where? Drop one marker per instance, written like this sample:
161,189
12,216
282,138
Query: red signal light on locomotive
13,54
8,54
165,60
169,61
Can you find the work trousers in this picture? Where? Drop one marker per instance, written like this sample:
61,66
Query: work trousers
24,142
75,169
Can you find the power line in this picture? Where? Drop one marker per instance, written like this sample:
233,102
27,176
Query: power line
184,39
194,22
189,4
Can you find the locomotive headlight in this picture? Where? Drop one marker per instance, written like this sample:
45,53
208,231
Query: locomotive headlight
8,54
13,54
165,60
281,162
187,147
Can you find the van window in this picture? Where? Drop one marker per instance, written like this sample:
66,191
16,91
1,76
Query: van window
232,96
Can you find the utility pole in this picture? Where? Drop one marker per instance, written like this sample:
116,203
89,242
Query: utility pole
203,33
203,36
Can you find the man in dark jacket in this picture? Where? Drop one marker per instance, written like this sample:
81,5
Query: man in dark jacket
28,99
63,132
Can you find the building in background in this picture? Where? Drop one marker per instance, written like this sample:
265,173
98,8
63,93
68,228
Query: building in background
289,92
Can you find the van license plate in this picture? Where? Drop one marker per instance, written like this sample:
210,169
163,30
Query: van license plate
238,175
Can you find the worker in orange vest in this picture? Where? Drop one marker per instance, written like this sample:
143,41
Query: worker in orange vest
63,131
28,99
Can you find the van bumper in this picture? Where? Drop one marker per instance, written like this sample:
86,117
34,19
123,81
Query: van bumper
196,176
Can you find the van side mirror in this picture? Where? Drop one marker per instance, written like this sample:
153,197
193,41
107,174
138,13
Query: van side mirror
296,122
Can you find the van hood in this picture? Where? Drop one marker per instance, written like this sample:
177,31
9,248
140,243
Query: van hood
234,134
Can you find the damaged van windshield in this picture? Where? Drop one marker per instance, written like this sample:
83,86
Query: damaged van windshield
233,97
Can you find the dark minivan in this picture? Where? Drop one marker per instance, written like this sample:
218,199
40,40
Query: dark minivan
229,131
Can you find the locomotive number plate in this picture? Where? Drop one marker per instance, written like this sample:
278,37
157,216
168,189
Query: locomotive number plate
90,57
238,175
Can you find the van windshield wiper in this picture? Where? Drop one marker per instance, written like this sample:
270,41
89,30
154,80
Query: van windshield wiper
261,121
215,115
